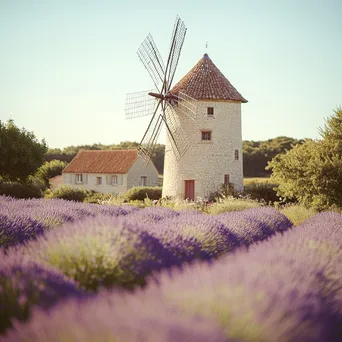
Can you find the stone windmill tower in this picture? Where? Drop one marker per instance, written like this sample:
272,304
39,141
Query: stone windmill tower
202,115
215,153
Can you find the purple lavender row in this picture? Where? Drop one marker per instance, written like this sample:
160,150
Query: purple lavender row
116,318
22,220
105,251
288,288
24,283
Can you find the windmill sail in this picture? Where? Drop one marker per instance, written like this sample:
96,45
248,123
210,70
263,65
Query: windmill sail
177,41
164,106
186,105
179,141
139,104
149,140
152,60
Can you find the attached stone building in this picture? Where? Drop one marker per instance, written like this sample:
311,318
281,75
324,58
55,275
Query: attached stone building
113,171
215,153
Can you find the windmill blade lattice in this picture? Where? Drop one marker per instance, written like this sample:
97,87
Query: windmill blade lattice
168,106
149,140
152,60
179,141
177,40
139,104
186,105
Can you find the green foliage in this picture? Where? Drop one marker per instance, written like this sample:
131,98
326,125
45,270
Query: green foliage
225,190
50,169
232,204
265,191
18,190
96,197
312,172
69,193
21,154
296,213
256,154
141,192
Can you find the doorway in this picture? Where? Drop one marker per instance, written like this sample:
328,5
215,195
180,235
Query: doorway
189,190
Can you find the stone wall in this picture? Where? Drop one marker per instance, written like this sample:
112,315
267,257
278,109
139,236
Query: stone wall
206,162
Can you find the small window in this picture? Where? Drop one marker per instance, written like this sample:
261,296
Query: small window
236,154
79,179
98,180
210,111
226,179
114,180
206,135
143,181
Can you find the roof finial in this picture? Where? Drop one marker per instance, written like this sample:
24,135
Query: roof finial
206,55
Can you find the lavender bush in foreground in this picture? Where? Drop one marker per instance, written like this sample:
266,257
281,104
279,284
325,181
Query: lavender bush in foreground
24,283
23,220
115,318
15,229
256,224
101,251
288,288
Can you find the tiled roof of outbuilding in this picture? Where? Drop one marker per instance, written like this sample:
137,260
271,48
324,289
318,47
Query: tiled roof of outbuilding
104,161
206,82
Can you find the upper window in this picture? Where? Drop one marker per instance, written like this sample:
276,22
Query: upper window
114,179
79,179
98,180
210,111
143,180
236,154
206,135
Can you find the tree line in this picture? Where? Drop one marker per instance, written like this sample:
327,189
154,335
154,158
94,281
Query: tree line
256,154
307,171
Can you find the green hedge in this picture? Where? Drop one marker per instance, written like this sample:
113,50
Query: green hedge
69,193
262,191
19,190
141,192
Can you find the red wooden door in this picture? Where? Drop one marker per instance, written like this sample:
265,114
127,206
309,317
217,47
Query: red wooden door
189,192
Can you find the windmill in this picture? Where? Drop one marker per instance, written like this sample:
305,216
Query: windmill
160,102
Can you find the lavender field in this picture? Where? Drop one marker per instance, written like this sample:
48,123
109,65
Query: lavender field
84,272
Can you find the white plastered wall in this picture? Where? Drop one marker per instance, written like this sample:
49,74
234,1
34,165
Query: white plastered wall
125,181
207,162
138,170
90,182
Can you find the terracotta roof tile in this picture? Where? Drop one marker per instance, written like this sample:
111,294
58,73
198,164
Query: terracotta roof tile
206,82
112,161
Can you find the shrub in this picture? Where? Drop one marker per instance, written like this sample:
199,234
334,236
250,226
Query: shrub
96,197
19,190
50,169
69,193
141,192
297,213
232,204
262,191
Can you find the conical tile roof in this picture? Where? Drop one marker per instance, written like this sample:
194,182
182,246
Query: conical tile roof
206,82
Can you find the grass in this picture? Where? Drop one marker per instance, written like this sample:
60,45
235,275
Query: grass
249,180
297,213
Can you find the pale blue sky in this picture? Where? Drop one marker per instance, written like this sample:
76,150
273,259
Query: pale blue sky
65,66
